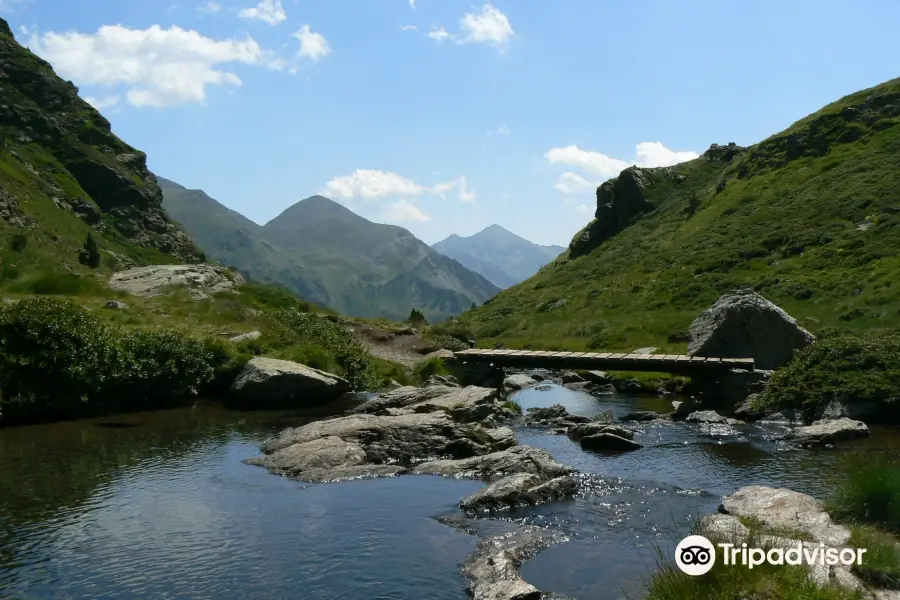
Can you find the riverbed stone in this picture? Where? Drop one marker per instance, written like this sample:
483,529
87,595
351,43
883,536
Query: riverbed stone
584,430
400,398
518,381
268,381
711,417
608,441
829,432
493,569
641,415
571,377
522,489
604,389
781,508
743,324
520,459
598,377
200,280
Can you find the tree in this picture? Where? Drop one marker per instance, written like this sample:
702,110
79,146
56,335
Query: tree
473,307
90,255
416,317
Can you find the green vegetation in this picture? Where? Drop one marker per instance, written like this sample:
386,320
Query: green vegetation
331,256
843,367
809,218
881,562
55,355
513,406
428,368
868,492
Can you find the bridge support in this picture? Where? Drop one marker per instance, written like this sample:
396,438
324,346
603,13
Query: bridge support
725,389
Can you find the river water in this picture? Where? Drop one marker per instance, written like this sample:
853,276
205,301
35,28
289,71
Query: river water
160,505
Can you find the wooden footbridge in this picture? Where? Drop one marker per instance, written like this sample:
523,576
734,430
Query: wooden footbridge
605,361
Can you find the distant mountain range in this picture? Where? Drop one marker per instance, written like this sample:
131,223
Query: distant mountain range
501,256
331,256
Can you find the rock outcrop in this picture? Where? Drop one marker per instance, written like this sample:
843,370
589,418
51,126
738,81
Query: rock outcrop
156,280
619,201
523,489
99,179
272,382
743,324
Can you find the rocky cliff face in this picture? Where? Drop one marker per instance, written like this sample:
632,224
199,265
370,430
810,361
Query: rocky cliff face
54,144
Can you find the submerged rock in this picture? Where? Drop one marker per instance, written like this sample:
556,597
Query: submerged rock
642,415
829,432
743,324
156,280
588,429
267,381
608,441
518,382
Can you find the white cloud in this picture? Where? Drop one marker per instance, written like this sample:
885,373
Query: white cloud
155,66
501,130
573,183
439,33
371,184
647,154
412,4
408,28
404,211
490,26
465,194
313,46
268,11
101,103
209,7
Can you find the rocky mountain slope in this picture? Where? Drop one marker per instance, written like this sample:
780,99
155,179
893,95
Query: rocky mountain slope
332,256
63,174
809,217
500,255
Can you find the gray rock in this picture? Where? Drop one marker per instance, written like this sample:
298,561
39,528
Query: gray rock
115,305
604,389
443,353
401,397
556,411
520,459
608,441
598,377
683,408
829,432
711,417
604,416
493,569
518,382
466,405
722,525
837,409
544,388
641,415
748,411
571,377
785,509
445,380
157,280
743,324
523,489
267,381
584,430
245,337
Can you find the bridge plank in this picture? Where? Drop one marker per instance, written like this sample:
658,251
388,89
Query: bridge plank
713,360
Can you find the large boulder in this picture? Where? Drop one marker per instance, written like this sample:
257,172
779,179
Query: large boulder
466,405
157,280
522,489
743,324
785,510
272,382
520,459
828,432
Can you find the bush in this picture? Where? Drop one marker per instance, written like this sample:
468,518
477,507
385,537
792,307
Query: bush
56,356
840,367
59,284
90,255
18,242
428,368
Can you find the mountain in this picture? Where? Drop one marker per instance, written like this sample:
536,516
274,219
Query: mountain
63,175
500,255
809,217
332,256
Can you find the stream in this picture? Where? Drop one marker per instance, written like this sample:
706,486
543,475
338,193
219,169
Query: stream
160,505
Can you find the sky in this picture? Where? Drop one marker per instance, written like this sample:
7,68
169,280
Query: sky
446,116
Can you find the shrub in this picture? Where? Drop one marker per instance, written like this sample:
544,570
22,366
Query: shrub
349,355
427,368
881,564
840,367
18,242
56,355
59,284
90,255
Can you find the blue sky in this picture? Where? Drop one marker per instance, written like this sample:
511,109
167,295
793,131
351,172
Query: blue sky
446,116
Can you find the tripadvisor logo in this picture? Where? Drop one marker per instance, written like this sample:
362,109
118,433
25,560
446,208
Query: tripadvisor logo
696,555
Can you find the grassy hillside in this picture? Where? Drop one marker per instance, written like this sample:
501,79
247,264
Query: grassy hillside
63,175
500,255
332,256
810,218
